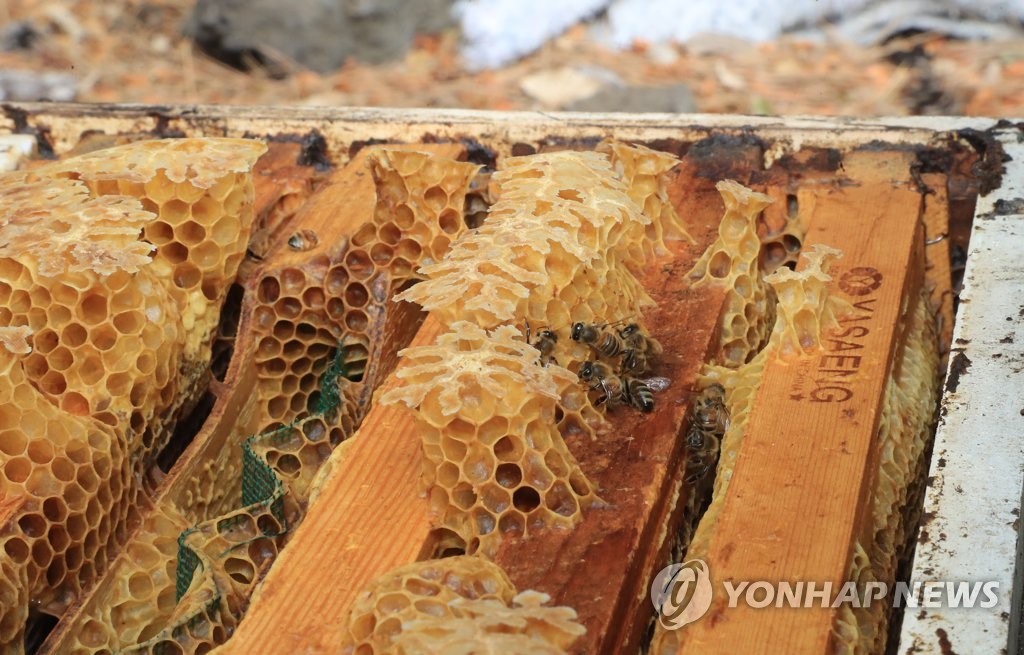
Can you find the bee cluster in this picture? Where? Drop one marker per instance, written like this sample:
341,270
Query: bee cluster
707,427
619,384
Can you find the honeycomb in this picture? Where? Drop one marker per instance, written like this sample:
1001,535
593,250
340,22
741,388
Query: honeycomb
557,248
303,313
201,191
13,582
559,232
804,309
904,433
117,321
313,324
420,204
455,605
73,474
733,261
799,294
526,627
493,459
646,174
152,554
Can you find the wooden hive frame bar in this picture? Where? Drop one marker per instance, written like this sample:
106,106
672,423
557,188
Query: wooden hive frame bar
799,496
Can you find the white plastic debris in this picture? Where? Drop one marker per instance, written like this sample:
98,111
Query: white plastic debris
499,31
679,20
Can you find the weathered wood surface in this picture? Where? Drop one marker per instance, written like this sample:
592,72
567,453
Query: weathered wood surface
799,494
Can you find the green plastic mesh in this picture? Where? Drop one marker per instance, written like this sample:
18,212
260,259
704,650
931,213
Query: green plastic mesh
262,490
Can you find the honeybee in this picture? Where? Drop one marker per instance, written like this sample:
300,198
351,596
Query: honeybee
546,341
602,338
600,376
638,348
637,393
617,390
707,427
635,347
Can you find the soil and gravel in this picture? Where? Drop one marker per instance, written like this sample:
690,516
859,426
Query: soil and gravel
135,51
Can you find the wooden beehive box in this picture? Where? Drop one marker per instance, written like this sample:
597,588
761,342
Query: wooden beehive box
224,546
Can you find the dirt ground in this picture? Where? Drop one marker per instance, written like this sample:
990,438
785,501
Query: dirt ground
132,51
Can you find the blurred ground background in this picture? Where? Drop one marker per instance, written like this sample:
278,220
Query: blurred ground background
136,51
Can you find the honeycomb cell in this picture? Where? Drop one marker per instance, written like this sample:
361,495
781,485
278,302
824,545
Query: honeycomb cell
207,256
337,280
356,320
409,249
734,257
129,322
55,510
365,235
389,234
313,298
288,308
175,211
356,295
359,264
190,232
293,281
206,210
381,254
12,442
187,275
174,252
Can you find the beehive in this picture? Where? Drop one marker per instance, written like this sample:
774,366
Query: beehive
591,237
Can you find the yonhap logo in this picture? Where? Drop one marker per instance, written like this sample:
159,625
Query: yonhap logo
681,593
